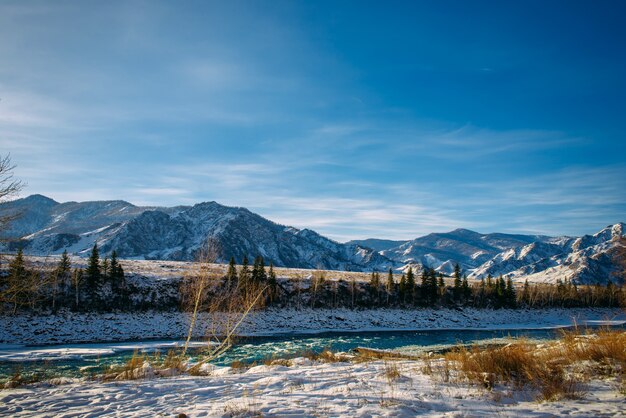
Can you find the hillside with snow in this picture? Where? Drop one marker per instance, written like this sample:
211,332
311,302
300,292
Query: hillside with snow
159,233
48,227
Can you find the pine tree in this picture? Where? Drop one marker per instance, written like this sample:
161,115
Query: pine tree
272,282
258,273
117,280
467,292
510,293
374,280
402,288
93,266
457,289
433,289
105,269
65,265
244,274
410,284
17,268
231,273
60,276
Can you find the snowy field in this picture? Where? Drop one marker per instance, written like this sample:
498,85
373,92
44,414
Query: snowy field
304,389
90,327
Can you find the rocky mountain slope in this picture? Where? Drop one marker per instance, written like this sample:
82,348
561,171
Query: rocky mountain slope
48,227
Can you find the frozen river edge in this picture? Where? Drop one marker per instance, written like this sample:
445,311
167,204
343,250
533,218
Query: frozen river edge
70,327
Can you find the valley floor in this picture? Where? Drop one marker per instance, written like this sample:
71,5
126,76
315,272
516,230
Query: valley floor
90,327
304,389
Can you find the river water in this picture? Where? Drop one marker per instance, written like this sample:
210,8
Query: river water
76,360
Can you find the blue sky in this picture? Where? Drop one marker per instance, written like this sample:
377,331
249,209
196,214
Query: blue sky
356,119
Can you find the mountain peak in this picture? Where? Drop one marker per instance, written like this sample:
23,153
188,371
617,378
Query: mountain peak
39,199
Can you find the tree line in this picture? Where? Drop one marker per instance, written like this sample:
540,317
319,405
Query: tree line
101,285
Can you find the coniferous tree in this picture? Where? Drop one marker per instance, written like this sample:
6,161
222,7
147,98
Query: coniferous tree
93,267
402,288
433,289
509,293
424,284
117,280
60,277
244,274
105,269
375,280
65,265
261,275
410,285
467,292
231,273
17,268
272,282
441,285
457,289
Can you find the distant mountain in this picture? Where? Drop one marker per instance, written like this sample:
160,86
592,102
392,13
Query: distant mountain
470,249
587,259
48,227
377,244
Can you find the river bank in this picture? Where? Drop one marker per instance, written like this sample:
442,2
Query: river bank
71,327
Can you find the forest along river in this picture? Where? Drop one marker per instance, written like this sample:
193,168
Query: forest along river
76,360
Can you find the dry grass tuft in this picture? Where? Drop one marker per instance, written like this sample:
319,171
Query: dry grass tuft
392,373
555,370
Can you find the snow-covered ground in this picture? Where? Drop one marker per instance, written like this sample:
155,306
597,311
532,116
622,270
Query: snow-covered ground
302,390
91,327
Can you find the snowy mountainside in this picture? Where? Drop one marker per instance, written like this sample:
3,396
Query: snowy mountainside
470,249
587,259
48,227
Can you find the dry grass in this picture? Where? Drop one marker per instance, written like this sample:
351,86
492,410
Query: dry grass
392,373
555,370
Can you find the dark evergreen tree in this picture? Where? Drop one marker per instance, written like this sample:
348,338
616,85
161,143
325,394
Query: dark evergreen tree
433,289
65,265
244,274
467,292
457,290
272,282
258,271
375,280
410,285
509,293
93,267
105,269
17,268
402,288
231,273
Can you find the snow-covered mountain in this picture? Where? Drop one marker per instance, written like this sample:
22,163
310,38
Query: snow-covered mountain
587,259
470,249
49,227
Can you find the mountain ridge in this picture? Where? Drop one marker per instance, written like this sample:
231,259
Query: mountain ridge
177,233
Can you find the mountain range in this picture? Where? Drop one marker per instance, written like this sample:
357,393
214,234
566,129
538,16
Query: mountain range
45,226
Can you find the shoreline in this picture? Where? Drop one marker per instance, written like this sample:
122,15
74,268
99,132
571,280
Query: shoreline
74,328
